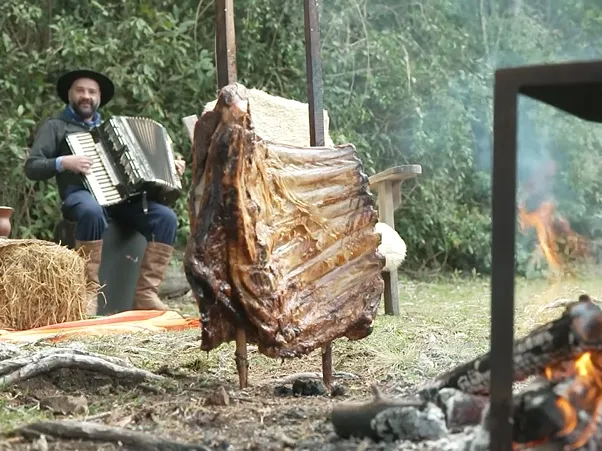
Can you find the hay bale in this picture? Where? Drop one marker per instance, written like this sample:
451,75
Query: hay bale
281,120
41,283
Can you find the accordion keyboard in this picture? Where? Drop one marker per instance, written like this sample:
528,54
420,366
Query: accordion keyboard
101,180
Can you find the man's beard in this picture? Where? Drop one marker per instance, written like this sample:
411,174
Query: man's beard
85,110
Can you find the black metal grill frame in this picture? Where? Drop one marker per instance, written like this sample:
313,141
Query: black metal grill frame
575,88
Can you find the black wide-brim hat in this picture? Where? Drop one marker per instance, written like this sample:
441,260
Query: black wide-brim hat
107,89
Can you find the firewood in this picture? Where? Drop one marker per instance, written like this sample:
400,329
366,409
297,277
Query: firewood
355,419
311,375
561,340
558,414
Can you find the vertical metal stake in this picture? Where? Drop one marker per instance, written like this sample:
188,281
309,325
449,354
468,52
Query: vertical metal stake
313,63
225,43
225,55
503,243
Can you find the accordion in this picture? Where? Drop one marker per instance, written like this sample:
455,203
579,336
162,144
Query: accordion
131,156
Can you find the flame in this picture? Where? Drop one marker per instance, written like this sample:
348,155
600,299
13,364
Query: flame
541,220
552,230
584,393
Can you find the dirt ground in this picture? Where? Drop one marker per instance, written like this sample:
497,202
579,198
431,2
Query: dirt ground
442,324
265,416
190,406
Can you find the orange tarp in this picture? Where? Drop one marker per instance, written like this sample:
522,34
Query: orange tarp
120,323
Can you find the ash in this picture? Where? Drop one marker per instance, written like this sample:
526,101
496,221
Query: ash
452,421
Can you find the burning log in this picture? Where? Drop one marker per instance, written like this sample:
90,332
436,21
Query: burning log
577,331
283,248
562,409
555,413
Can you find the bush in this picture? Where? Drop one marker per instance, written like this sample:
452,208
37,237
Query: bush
406,83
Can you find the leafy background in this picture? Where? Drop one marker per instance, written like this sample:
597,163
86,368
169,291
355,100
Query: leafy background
406,82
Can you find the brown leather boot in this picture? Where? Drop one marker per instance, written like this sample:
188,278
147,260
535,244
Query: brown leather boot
93,251
152,270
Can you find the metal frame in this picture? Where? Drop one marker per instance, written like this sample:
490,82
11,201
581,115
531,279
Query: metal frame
225,43
225,53
575,88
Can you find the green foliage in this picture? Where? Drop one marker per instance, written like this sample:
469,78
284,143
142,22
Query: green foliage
405,82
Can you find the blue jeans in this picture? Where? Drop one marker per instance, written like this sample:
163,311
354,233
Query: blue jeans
159,224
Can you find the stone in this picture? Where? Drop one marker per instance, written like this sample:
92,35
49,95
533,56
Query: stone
308,387
339,390
283,391
218,398
461,409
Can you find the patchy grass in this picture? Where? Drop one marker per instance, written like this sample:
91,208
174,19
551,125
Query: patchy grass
13,414
443,322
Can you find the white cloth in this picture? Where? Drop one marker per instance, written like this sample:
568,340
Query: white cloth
392,246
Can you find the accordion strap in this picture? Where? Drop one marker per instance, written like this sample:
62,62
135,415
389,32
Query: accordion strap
144,203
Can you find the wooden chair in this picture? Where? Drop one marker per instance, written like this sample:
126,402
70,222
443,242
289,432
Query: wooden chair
387,187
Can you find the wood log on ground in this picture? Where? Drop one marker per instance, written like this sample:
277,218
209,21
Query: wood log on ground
310,375
355,419
283,242
75,430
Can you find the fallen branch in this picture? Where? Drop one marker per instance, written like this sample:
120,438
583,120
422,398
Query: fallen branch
75,430
9,350
11,364
563,302
22,368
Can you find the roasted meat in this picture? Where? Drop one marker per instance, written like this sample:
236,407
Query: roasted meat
283,240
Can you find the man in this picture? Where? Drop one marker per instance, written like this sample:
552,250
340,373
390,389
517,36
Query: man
84,92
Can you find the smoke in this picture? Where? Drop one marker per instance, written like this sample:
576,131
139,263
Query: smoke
542,149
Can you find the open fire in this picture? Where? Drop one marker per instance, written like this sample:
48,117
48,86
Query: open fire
558,405
557,241
557,399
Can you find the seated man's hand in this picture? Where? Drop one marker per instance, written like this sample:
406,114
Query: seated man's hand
180,166
77,163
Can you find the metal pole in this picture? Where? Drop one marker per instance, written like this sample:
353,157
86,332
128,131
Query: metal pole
313,64
225,55
225,43
503,242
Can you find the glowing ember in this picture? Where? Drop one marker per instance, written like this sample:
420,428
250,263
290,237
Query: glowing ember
575,412
560,408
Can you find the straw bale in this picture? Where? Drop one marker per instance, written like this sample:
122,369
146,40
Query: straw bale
41,283
281,120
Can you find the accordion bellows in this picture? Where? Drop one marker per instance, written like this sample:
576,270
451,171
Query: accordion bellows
283,240
131,156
